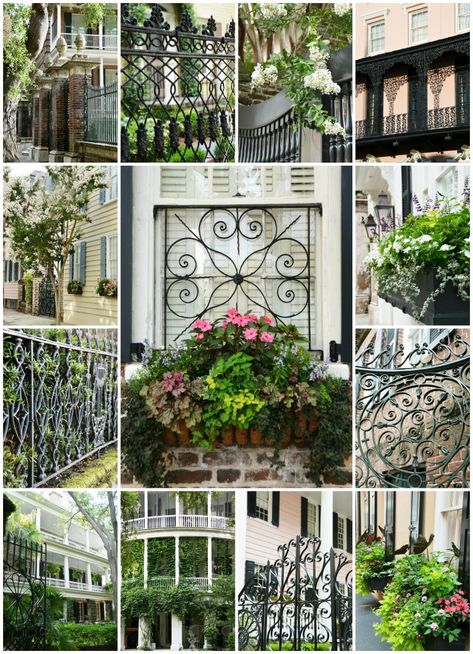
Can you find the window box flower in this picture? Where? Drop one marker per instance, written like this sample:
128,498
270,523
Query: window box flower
75,287
107,287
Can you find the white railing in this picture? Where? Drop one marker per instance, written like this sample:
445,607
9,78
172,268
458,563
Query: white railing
92,41
97,589
164,583
79,585
52,581
58,539
180,521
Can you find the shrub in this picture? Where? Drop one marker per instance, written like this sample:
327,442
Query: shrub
188,155
28,284
89,636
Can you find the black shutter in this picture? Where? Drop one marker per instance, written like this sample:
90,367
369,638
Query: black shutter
304,510
68,22
319,521
251,509
335,529
349,536
249,570
406,182
462,92
71,265
464,558
275,511
389,526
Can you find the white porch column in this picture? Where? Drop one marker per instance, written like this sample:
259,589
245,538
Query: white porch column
176,632
101,41
178,511
240,537
176,559
146,509
143,633
326,520
209,508
66,572
122,633
87,539
38,518
209,560
89,577
145,562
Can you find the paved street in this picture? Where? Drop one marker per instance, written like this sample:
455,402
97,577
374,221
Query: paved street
366,639
12,318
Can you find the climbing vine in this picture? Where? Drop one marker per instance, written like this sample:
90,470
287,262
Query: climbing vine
193,557
161,557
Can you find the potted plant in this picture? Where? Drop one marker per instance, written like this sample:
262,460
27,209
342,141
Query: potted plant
371,569
422,267
75,287
106,287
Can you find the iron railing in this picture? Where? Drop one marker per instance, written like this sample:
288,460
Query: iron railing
253,257
164,583
177,89
47,302
60,405
303,599
101,113
179,521
24,594
412,423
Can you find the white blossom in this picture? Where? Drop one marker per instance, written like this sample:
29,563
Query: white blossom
262,76
424,238
321,80
318,56
272,9
334,129
341,8
445,247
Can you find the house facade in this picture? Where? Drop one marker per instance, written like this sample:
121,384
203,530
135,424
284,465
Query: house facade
77,563
181,541
95,257
412,81
72,115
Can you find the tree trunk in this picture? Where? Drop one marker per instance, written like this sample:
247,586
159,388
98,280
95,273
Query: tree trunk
55,288
10,108
60,300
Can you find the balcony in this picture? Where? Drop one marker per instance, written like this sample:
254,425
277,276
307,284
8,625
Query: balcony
179,522
92,41
165,583
77,585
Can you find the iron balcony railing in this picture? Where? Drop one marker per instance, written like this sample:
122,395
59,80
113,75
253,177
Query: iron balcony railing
179,521
92,41
101,113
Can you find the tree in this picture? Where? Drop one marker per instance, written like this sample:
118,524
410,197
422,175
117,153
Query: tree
102,517
43,220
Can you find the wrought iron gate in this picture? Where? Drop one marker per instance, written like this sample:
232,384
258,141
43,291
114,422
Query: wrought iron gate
101,113
305,596
60,403
252,257
47,303
24,594
413,415
177,89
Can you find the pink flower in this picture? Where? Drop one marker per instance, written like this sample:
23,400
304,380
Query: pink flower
441,612
433,626
199,336
225,324
231,313
250,334
203,325
241,321
266,337
252,317
268,320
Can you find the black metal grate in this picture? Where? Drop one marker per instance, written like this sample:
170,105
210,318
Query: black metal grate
177,89
101,113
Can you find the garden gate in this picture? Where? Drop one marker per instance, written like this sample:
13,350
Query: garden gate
304,597
177,89
24,594
413,415
101,113
47,303
61,401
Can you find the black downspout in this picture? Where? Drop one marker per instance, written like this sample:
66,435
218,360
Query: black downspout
346,277
126,248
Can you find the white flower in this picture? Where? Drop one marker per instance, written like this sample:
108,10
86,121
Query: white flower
467,254
341,8
334,129
445,247
423,598
417,615
261,76
271,74
433,626
321,80
318,56
272,9
424,238
440,612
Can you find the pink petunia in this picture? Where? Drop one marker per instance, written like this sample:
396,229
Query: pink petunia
199,336
241,321
250,334
225,324
266,337
203,325
252,317
268,320
231,313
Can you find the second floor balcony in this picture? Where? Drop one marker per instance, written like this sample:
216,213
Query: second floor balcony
92,41
180,522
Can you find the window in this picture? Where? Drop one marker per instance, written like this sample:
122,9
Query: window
76,267
340,533
418,26
463,16
263,505
100,611
451,514
376,37
111,266
111,191
312,522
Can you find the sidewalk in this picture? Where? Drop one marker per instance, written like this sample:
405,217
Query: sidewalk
12,318
366,639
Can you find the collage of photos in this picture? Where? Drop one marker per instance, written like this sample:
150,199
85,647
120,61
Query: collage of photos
236,326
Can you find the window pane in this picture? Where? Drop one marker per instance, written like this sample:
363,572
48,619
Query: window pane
418,26
262,505
377,37
312,530
463,13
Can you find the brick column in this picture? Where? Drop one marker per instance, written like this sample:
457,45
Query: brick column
41,151
59,128
36,120
76,112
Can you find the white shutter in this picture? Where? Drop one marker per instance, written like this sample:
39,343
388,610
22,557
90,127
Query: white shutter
302,180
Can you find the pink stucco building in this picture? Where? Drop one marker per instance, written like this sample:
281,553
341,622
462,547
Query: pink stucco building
412,80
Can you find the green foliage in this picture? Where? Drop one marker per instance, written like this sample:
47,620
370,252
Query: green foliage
132,559
23,525
28,284
75,287
89,636
107,287
370,564
161,557
96,12
130,505
17,62
305,647
187,155
96,473
193,557
189,68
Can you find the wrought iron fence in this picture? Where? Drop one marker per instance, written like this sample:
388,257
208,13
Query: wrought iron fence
60,401
24,594
177,89
101,113
412,418
303,598
257,258
47,302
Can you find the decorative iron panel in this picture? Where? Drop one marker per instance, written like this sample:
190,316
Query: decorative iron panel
24,594
412,417
177,89
278,141
60,401
47,302
252,258
305,596
443,118
101,113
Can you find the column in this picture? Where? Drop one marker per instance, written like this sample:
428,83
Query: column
146,508
64,610
76,110
38,518
176,633
377,83
143,633
66,572
89,577
59,129
209,561
41,152
209,509
241,511
326,520
176,559
35,137
422,95
145,562
87,539
178,511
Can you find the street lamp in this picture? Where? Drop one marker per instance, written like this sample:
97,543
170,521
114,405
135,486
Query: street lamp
385,213
371,227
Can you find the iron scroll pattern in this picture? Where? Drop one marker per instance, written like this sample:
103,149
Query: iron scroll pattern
60,403
24,590
178,89
412,417
271,273
304,597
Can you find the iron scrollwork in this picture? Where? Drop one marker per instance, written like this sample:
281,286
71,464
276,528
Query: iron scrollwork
177,89
305,596
238,256
64,405
413,415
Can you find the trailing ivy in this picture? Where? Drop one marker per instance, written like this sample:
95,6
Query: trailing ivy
193,557
161,557
132,557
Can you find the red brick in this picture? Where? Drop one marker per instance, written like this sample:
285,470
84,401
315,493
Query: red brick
188,476
187,459
227,476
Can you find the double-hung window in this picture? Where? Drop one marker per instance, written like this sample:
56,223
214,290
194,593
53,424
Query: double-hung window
418,26
463,16
376,37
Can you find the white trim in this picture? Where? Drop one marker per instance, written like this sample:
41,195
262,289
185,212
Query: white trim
411,14
381,13
370,27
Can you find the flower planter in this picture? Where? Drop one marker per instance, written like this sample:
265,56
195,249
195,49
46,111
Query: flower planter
447,309
180,437
442,645
76,292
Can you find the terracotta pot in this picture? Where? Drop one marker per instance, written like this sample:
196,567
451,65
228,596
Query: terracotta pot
226,438
241,436
256,438
170,437
184,437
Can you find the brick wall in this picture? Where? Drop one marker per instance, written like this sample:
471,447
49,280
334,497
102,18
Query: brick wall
76,110
59,102
35,121
43,124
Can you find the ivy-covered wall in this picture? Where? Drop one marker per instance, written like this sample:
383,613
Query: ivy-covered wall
193,557
161,557
132,553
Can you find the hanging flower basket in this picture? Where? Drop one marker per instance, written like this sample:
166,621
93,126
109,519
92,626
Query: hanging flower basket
107,287
74,287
